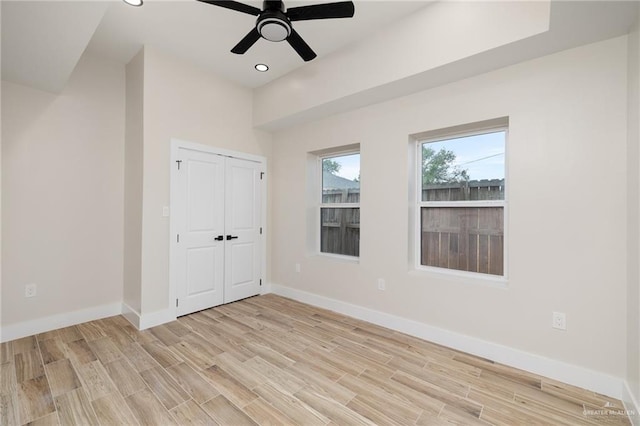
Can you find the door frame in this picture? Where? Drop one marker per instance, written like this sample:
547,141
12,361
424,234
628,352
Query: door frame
176,145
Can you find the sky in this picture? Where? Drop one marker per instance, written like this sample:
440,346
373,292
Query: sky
349,166
481,155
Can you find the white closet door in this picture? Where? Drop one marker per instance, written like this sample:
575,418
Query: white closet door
200,219
243,198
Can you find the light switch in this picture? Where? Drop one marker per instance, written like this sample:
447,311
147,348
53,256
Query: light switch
165,211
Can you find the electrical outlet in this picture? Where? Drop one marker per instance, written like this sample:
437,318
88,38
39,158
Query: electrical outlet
297,267
30,290
381,284
559,321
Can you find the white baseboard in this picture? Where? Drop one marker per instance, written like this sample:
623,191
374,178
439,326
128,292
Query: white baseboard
631,405
41,325
156,318
266,288
144,321
131,315
558,370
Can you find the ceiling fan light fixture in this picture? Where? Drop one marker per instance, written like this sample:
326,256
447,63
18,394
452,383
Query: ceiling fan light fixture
135,3
262,67
274,29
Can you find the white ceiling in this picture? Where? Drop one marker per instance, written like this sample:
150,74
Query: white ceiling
204,34
43,40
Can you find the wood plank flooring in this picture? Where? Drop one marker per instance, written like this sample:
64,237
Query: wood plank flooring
271,361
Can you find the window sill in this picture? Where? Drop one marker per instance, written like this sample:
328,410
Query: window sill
462,277
337,257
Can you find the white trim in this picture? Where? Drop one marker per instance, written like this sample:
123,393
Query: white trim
156,318
178,143
339,205
131,315
341,257
460,204
558,370
53,322
266,288
173,227
142,322
631,405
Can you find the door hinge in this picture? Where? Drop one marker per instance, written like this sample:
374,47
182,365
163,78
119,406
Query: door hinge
261,230
178,161
178,238
261,175
177,303
260,283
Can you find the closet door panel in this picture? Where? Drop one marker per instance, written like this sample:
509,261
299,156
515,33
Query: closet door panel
243,206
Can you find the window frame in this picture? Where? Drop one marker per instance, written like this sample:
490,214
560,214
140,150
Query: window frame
418,141
320,205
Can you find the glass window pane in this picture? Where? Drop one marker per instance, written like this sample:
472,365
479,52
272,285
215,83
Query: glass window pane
463,238
341,179
340,231
465,168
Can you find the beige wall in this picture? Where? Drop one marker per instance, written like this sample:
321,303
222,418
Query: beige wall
62,193
0,183
407,48
184,102
567,208
133,156
633,219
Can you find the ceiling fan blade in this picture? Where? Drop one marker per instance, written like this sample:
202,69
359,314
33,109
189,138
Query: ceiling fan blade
248,41
344,9
300,46
234,5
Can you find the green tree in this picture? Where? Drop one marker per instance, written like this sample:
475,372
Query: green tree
330,166
437,167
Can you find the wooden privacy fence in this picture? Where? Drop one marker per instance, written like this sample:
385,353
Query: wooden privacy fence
340,229
340,233
339,196
462,238
472,190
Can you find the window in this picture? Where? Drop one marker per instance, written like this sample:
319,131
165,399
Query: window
340,205
461,201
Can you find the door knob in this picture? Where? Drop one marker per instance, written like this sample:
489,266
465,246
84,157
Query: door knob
219,238
231,237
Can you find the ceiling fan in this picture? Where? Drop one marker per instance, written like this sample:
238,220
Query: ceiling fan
274,22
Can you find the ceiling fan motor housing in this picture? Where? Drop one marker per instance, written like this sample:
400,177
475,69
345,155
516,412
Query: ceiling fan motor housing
273,25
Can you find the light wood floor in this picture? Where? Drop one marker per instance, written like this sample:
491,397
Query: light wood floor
269,360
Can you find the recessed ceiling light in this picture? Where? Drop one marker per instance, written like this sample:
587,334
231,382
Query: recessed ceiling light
135,3
262,67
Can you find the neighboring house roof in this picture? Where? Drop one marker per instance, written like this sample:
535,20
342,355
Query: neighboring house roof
331,181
